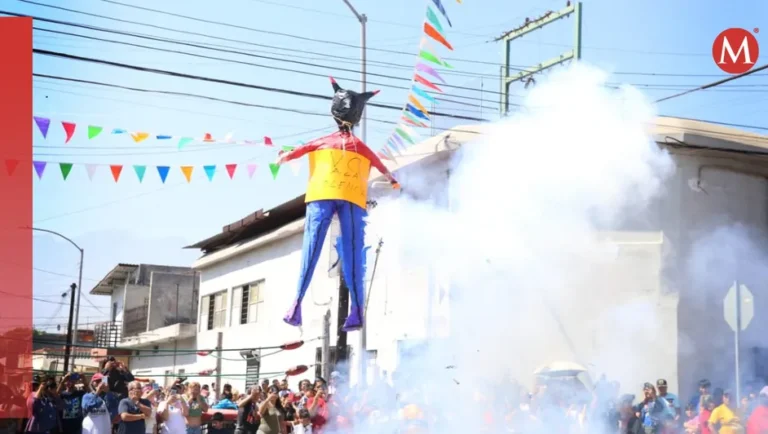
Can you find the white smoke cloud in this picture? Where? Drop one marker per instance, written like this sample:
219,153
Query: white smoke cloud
522,245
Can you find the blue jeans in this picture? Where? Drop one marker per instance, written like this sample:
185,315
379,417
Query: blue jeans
194,430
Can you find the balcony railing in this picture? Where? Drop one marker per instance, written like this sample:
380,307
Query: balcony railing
108,334
135,320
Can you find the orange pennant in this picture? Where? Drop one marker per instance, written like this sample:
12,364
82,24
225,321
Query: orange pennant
434,34
138,137
208,138
116,170
187,171
416,103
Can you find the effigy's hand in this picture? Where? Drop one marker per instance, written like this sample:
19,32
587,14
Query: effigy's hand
395,185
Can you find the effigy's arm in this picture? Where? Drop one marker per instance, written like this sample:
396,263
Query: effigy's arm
300,151
376,162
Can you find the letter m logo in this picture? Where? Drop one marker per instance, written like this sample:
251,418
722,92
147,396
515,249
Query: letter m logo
735,51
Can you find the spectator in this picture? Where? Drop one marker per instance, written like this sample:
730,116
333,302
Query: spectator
248,418
213,397
704,389
150,394
317,408
654,411
284,389
197,406
43,409
691,424
118,377
758,420
723,420
290,410
133,411
173,411
272,417
671,398
226,403
707,405
96,414
217,424
304,424
264,385
71,403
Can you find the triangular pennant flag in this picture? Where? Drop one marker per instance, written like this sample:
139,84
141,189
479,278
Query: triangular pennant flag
413,119
404,135
440,7
43,124
138,137
416,112
187,171
267,141
408,121
119,131
210,171
398,141
409,131
429,70
93,131
434,34
434,20
10,166
184,141
295,167
163,172
140,171
251,170
429,57
231,170
90,169
39,168
421,80
65,169
69,128
208,138
412,99
274,168
388,153
422,93
163,137
393,145
288,148
427,48
116,170
382,155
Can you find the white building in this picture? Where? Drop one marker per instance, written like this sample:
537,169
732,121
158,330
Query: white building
249,275
154,316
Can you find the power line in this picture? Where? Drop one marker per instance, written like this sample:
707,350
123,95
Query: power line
714,84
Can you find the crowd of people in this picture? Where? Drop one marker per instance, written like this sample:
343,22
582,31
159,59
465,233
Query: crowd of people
113,401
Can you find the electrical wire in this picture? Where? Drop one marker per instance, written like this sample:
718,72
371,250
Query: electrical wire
714,84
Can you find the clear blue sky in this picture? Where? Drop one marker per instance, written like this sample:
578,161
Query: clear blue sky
149,222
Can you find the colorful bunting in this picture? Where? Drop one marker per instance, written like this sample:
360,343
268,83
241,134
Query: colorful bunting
432,18
422,93
210,171
416,112
434,34
119,131
442,11
65,169
413,119
163,137
267,141
187,171
10,166
429,70
184,141
416,103
421,80
39,168
231,170
116,170
274,168
163,172
93,131
251,170
425,46
91,170
139,137
42,124
69,128
140,171
404,135
208,138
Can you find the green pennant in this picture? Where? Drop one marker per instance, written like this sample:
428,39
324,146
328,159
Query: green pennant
404,135
429,57
434,20
65,169
274,168
184,141
93,131
288,148
140,171
447,65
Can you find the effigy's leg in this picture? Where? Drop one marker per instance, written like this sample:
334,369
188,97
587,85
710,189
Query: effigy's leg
318,219
352,221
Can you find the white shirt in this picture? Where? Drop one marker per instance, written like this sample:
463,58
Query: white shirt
301,429
149,424
97,421
175,424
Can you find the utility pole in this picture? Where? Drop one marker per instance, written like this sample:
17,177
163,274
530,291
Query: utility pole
326,354
363,76
68,347
343,313
219,345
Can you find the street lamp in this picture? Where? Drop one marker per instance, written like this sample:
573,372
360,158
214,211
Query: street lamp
363,20
79,275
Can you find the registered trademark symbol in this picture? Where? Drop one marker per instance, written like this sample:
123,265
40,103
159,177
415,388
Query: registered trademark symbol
757,30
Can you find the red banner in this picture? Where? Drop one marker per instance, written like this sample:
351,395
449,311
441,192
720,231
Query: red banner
15,213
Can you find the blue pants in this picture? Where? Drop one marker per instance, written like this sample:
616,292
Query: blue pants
351,252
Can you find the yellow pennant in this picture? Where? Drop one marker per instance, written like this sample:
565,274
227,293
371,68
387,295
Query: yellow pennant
138,137
187,171
416,103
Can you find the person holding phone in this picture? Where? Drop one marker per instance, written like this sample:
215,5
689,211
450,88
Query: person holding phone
43,410
71,403
118,377
95,407
133,411
248,418
173,411
197,406
272,416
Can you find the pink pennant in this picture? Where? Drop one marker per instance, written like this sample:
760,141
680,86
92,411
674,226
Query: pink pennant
251,170
429,70
231,170
69,128
267,141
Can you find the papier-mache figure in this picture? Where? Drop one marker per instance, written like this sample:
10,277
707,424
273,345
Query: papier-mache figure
339,167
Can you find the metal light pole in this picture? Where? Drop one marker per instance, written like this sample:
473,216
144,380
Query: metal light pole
363,20
362,379
79,276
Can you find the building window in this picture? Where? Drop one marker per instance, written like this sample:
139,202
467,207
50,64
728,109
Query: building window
333,359
213,313
252,370
246,301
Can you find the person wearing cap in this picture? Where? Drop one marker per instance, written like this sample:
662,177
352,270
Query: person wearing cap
71,402
97,418
758,420
654,410
671,398
43,409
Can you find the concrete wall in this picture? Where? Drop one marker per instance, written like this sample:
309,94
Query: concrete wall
154,365
173,298
118,297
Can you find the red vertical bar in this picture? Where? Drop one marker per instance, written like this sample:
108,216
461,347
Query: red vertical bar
15,212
